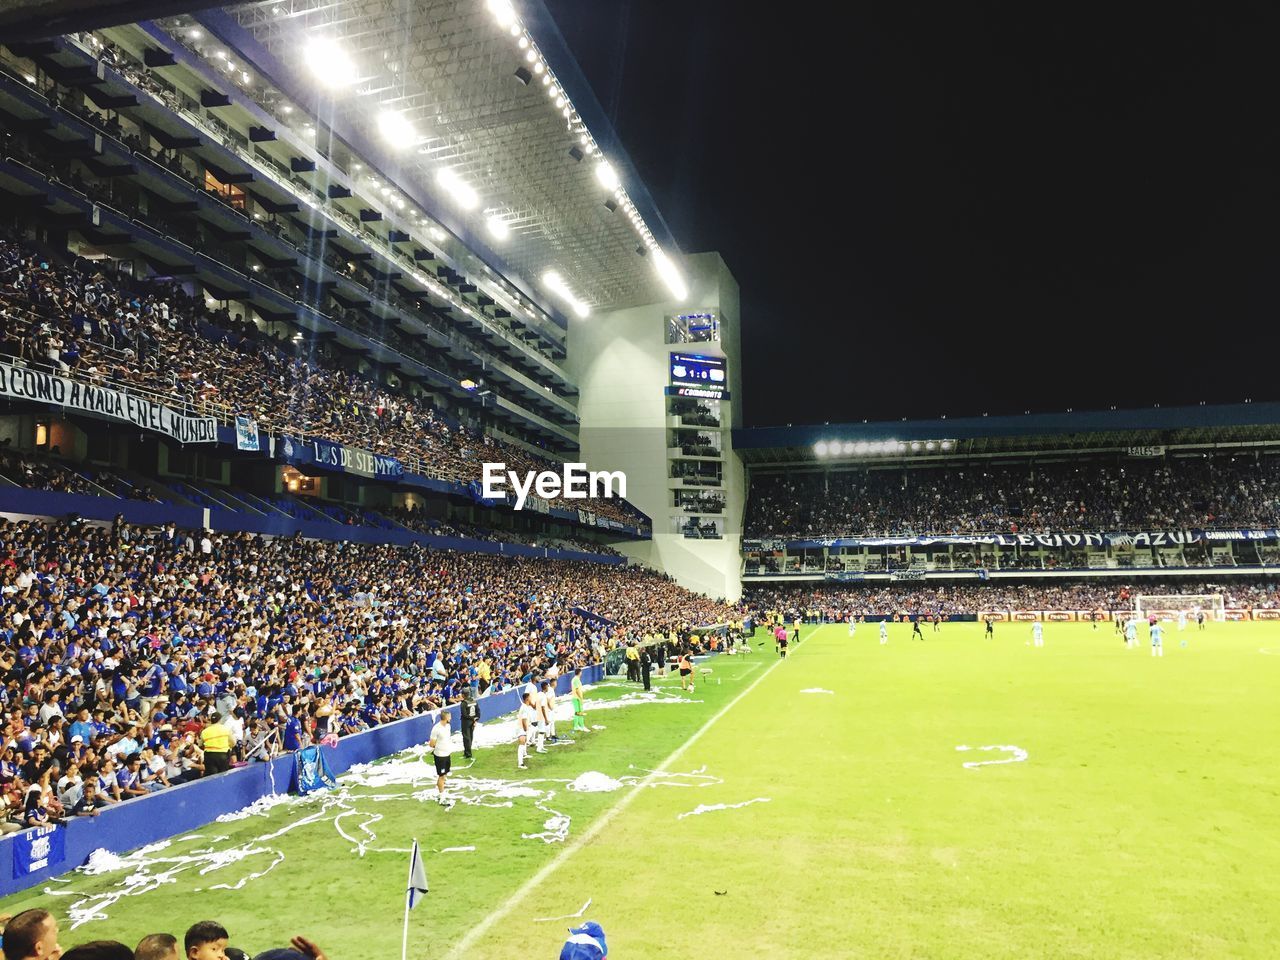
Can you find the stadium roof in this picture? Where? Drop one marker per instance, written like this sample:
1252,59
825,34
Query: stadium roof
427,98
1029,433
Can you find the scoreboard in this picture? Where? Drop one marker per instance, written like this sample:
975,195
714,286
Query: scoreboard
694,375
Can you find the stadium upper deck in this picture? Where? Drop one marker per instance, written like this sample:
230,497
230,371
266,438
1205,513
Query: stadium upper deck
433,187
1110,491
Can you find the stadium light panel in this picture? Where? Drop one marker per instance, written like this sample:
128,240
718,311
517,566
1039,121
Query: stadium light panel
397,129
915,446
931,446
861,447
503,12
670,275
607,176
556,284
329,63
498,227
820,448
459,189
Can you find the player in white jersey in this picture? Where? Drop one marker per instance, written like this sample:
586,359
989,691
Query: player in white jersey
540,712
524,717
884,631
853,624
1182,620
1037,633
1131,633
441,744
1157,640
550,704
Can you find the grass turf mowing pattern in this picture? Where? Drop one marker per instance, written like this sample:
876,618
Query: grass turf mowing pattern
353,906
1144,823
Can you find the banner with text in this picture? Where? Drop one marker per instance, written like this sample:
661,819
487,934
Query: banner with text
1141,538
22,383
37,849
334,456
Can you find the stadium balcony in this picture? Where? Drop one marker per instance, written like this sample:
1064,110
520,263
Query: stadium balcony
399,293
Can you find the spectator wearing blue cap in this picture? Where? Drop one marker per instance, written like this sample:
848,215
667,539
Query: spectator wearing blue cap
586,942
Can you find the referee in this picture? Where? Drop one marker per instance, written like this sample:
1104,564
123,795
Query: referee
470,713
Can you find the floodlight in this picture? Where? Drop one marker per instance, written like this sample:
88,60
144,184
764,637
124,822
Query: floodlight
329,63
396,129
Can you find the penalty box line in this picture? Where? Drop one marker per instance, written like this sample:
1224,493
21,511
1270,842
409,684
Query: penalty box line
485,925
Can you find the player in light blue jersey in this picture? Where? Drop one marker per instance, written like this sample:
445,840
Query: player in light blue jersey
884,631
1157,640
1131,632
1037,633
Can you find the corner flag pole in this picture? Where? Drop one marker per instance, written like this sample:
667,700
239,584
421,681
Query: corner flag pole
416,887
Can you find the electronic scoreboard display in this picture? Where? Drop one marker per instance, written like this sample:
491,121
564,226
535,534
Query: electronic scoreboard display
698,371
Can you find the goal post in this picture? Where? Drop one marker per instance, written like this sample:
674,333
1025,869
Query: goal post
1167,606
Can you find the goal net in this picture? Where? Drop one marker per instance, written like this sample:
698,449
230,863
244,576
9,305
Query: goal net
1168,606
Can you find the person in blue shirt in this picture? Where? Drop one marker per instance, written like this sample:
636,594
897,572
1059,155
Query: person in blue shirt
1157,639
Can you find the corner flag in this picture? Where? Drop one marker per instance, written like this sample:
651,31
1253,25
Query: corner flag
417,877
416,890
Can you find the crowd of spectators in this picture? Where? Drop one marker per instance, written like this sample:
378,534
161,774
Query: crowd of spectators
1081,495
133,659
153,337
46,473
35,935
420,522
839,602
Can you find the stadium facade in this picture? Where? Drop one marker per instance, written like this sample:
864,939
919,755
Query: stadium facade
1121,495
429,201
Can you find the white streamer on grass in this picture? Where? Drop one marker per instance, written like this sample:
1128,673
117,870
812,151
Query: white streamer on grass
708,808
817,690
567,916
1018,755
408,776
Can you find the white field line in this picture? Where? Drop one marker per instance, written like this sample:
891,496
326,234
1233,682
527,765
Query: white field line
461,948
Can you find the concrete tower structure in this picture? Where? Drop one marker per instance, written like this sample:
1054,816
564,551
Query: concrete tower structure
660,392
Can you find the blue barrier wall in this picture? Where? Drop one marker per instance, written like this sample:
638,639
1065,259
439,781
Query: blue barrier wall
135,823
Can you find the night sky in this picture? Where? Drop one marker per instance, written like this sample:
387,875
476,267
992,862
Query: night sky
932,210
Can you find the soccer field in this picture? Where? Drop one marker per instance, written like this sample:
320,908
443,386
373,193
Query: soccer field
1131,810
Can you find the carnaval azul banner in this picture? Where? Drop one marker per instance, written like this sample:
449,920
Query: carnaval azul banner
1140,539
21,383
334,456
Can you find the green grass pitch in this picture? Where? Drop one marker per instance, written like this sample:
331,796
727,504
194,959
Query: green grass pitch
1144,820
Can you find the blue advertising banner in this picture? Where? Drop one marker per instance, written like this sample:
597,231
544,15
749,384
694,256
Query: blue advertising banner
312,771
37,849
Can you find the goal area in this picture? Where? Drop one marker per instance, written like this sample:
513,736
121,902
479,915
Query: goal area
1167,606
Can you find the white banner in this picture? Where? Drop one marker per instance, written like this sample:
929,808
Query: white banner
23,383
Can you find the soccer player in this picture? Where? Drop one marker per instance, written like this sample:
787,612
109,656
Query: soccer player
991,628
524,717
540,715
441,744
1157,639
853,624
1182,620
549,700
884,631
1131,633
937,622
1199,619
1037,633
915,627
579,714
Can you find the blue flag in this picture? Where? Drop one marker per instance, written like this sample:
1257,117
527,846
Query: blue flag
311,771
